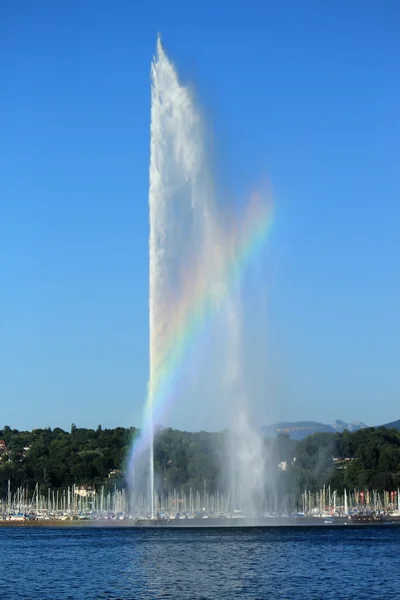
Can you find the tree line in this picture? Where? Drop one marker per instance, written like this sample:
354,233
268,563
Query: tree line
54,458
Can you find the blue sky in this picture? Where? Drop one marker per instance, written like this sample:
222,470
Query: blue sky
305,93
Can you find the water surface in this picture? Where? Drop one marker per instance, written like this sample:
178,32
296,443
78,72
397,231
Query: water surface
193,564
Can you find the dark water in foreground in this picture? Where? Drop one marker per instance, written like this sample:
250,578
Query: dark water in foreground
290,563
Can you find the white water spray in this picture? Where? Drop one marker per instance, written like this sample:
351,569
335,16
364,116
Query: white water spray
189,247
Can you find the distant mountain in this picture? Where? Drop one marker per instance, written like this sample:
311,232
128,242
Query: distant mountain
392,425
297,430
354,426
300,429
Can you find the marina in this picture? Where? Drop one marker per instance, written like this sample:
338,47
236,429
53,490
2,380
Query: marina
84,505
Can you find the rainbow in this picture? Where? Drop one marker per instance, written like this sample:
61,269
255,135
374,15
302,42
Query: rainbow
192,313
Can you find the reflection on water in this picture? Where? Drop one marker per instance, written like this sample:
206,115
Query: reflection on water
326,564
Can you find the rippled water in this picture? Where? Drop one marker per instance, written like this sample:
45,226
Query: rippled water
287,563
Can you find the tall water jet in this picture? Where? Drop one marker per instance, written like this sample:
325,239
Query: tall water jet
175,159
198,254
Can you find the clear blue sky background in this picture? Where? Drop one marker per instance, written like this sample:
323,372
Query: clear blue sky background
307,93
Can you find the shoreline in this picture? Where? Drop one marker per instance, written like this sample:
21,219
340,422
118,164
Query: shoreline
200,524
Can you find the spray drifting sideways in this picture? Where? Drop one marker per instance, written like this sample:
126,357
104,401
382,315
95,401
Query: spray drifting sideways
196,265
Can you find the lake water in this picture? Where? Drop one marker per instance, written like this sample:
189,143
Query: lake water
284,563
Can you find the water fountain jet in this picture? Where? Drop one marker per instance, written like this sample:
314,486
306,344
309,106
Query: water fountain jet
198,255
